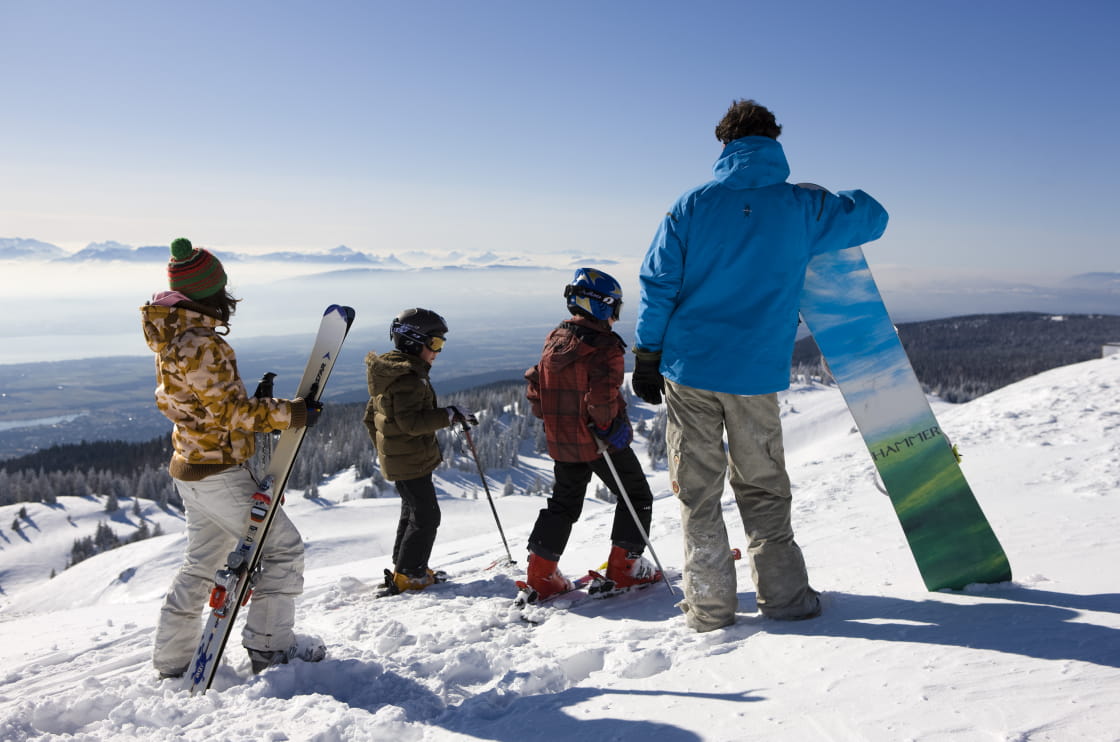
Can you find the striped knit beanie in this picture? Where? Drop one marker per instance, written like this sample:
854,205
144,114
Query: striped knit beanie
193,271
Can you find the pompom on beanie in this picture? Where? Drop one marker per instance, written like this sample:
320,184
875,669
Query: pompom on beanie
193,271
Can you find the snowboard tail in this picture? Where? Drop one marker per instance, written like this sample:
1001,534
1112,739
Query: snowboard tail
949,536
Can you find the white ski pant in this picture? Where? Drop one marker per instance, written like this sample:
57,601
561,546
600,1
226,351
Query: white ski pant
755,458
217,510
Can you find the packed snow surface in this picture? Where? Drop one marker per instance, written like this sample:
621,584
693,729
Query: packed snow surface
1034,659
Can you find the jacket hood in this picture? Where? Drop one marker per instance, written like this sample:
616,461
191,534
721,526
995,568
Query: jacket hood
751,162
383,370
578,336
164,324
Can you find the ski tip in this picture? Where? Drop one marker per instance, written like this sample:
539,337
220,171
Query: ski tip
347,313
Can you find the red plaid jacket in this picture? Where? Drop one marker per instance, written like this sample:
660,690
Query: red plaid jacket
576,382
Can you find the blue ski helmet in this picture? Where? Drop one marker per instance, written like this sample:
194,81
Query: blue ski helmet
417,328
594,294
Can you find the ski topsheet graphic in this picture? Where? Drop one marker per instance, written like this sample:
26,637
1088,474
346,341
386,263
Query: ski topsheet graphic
233,585
948,534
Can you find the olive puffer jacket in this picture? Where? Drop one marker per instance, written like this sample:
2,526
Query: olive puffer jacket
200,391
402,416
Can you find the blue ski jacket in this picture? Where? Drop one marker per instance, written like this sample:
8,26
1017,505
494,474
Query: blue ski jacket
721,283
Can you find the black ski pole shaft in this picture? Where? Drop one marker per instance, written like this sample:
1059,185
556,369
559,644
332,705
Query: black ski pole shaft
486,487
633,513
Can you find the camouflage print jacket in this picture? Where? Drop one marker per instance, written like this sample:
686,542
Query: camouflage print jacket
199,390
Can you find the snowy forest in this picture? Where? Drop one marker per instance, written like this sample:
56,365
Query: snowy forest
117,469
956,359
961,358
339,441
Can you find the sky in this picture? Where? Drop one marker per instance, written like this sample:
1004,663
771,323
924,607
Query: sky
987,129
1030,660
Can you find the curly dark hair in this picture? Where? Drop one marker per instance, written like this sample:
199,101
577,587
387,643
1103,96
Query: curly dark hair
747,118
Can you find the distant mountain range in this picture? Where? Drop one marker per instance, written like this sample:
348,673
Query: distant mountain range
16,248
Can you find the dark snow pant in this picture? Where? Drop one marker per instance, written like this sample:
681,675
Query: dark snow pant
554,524
416,530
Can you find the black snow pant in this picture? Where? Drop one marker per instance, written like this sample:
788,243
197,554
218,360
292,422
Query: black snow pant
416,530
554,523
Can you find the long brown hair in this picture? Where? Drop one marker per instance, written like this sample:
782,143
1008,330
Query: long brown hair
221,304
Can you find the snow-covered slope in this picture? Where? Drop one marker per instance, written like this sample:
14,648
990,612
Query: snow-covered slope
1036,659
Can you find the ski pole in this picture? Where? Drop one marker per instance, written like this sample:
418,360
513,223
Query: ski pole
633,513
482,475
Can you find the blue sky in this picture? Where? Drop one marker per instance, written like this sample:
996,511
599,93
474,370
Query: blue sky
986,127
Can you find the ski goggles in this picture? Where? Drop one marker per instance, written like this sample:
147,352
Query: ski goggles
435,343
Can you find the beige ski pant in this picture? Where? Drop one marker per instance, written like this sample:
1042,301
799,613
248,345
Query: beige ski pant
217,509
755,458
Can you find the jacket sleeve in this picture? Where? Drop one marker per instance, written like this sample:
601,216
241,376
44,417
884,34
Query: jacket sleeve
369,419
209,368
846,219
533,391
661,276
605,376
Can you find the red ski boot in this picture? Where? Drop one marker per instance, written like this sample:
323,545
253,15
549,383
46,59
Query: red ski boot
627,568
545,577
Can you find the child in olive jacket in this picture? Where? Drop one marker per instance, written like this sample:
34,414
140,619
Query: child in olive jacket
402,418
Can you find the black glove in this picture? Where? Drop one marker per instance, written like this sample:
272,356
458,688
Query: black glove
647,381
618,436
461,415
314,409
264,386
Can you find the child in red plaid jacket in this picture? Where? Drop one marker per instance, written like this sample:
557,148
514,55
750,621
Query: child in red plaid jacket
575,390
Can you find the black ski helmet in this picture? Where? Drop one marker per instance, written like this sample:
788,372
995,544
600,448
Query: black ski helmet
594,294
417,328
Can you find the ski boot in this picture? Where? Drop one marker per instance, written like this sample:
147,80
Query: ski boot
306,649
545,578
627,567
398,582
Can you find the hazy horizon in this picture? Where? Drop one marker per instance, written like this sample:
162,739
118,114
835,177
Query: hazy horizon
92,308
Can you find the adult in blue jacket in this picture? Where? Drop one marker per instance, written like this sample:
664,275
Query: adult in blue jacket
720,290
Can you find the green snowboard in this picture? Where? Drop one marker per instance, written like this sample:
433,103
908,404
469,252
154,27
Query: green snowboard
944,525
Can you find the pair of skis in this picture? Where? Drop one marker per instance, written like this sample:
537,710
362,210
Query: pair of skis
233,585
592,586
